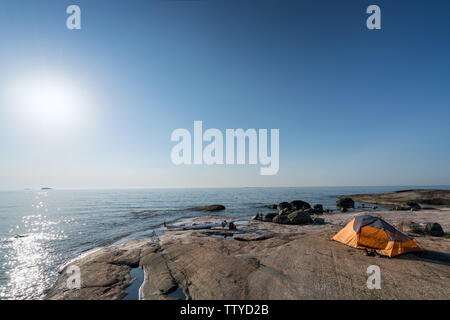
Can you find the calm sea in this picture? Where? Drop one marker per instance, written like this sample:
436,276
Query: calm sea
42,230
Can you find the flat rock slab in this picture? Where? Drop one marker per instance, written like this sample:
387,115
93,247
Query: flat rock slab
104,274
424,197
263,260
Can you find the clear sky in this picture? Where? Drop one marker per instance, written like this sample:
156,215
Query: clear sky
354,106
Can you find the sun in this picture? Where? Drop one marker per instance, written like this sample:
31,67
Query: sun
49,102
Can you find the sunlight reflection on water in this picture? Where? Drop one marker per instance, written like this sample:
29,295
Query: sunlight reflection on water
26,255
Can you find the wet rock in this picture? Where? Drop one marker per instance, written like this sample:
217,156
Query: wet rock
345,203
269,217
282,206
434,229
299,217
282,219
272,206
19,236
210,208
299,205
318,208
344,209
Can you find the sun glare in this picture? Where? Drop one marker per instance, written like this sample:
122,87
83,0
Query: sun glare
49,103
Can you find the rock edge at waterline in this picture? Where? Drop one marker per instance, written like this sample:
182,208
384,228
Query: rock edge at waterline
262,260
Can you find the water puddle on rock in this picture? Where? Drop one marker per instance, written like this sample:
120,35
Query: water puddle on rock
133,289
239,233
223,236
177,294
252,234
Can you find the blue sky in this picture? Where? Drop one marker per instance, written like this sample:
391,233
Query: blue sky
354,106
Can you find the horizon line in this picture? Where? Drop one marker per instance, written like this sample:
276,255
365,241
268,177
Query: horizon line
209,187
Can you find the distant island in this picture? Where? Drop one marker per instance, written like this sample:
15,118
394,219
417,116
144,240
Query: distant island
46,188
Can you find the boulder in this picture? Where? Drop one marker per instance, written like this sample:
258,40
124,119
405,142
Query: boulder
231,226
272,206
299,217
318,208
434,229
345,203
409,226
300,205
344,209
285,211
282,205
414,206
269,217
282,219
256,216
319,221
403,223
414,228
210,208
401,208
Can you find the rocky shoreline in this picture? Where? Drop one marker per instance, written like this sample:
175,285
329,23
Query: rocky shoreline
407,199
264,260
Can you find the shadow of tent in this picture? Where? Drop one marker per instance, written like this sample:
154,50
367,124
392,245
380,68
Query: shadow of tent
427,256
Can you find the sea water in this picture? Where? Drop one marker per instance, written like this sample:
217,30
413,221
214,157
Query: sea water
40,231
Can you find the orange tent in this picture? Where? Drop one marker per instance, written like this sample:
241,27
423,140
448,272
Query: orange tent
373,233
